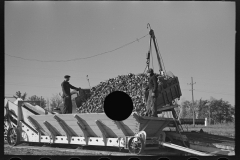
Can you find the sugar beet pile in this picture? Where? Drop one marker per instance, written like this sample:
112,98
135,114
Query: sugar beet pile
131,84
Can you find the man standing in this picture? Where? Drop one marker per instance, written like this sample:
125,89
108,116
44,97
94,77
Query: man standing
152,95
67,101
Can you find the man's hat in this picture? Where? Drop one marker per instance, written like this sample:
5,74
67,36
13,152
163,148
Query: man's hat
150,70
67,76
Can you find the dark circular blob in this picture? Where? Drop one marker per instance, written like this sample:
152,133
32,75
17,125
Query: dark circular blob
118,106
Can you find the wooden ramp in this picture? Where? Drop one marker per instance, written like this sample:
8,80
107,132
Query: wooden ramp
25,111
97,125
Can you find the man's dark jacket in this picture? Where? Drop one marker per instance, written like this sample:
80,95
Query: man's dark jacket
66,88
152,83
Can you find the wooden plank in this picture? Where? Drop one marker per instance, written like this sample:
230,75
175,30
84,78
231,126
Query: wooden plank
88,124
65,127
123,129
90,118
52,121
52,129
118,133
37,126
104,133
93,130
56,126
113,133
85,132
68,130
80,121
110,126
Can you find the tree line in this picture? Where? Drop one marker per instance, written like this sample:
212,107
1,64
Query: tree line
47,104
217,110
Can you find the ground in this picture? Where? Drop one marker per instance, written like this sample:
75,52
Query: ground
25,149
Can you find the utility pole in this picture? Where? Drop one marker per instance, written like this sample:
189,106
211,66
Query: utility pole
193,101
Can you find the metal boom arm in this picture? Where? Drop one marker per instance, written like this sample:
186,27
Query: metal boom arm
151,32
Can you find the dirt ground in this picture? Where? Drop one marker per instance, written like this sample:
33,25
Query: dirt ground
25,149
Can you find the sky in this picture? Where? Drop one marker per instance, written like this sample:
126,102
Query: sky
195,39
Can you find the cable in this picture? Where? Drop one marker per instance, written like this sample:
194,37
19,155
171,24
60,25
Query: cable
75,59
160,56
72,70
20,85
151,56
42,76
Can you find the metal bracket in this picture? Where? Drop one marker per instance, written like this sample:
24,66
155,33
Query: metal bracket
39,129
65,127
104,133
120,125
52,130
83,128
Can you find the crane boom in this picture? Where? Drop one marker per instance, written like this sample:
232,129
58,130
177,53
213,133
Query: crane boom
151,33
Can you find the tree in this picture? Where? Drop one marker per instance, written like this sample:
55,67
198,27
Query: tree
43,102
203,109
55,101
186,109
19,95
221,111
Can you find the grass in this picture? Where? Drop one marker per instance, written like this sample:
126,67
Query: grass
216,129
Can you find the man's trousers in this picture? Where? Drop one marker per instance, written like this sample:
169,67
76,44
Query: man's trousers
151,104
67,105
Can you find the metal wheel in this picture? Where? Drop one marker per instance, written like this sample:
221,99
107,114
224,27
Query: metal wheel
136,145
13,136
6,126
5,113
